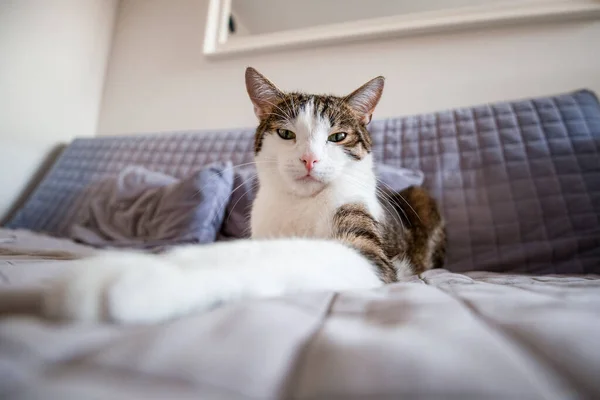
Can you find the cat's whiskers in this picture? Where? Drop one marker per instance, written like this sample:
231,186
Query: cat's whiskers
386,201
252,187
273,161
399,195
242,184
226,201
390,199
388,195
223,204
384,197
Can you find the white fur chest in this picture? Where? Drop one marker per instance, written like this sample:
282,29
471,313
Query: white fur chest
289,216
279,214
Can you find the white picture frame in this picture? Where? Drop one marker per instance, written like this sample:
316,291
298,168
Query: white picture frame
217,42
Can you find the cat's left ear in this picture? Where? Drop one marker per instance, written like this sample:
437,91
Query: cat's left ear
263,94
364,99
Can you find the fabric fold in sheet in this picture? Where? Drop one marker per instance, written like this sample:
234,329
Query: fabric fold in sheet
437,335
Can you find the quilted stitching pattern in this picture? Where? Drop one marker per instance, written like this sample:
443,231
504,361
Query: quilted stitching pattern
518,182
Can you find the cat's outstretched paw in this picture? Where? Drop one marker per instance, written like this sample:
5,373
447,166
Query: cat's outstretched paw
120,287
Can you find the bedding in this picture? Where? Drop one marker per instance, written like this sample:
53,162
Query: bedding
518,182
140,208
438,335
24,244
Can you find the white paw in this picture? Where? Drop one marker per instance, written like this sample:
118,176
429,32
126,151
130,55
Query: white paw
125,288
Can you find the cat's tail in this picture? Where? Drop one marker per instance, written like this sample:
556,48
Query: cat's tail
425,232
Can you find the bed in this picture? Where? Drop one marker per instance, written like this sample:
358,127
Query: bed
515,313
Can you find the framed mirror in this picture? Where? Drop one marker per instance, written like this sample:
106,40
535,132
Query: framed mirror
242,26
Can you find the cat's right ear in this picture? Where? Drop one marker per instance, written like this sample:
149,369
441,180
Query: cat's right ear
263,94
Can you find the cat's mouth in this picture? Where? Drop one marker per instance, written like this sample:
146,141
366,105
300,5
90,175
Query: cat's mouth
307,179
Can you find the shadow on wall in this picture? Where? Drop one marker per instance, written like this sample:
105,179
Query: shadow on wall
34,182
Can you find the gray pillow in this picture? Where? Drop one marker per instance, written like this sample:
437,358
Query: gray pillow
143,208
237,218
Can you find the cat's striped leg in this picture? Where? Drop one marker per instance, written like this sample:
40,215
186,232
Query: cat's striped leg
354,226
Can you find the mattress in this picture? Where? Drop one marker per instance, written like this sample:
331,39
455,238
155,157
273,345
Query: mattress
438,335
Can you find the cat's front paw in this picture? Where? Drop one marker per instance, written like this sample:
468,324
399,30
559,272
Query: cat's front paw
119,287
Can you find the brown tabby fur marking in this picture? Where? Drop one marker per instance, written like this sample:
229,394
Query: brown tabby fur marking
354,226
340,115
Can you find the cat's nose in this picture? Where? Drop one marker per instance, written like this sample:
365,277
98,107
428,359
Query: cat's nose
309,161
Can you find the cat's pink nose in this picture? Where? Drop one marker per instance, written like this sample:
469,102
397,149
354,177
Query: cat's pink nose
309,161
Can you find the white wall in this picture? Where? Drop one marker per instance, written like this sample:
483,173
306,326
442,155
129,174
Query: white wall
53,57
158,79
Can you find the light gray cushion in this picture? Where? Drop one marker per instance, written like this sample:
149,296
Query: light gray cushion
144,208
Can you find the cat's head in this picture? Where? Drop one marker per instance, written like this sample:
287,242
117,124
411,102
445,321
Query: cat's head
305,142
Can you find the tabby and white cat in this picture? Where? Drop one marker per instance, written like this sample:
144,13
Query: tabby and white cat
319,223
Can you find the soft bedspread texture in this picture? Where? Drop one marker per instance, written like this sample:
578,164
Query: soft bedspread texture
440,335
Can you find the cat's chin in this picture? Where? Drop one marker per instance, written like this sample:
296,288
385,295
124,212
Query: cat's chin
307,186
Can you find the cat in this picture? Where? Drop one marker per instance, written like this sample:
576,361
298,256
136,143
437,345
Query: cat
319,223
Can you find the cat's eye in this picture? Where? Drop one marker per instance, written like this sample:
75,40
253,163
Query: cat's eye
286,134
337,137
